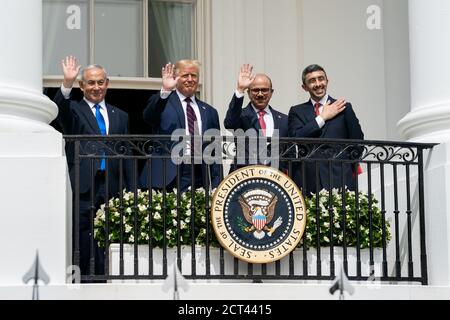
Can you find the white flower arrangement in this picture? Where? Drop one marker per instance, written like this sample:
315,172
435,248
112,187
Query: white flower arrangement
363,211
127,206
154,214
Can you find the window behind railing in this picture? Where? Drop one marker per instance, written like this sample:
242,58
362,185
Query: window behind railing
132,38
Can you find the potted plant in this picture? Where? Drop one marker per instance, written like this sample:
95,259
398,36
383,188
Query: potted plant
355,207
326,224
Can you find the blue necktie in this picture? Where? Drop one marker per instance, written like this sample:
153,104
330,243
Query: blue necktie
102,127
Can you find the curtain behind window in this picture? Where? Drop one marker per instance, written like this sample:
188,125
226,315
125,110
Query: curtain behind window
170,33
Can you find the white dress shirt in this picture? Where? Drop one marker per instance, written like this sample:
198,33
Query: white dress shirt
66,93
268,116
268,119
194,105
319,119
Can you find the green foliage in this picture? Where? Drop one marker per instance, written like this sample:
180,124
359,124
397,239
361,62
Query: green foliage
334,206
142,210
160,216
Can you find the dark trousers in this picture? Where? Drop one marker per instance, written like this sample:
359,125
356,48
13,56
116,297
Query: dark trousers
318,177
186,178
86,241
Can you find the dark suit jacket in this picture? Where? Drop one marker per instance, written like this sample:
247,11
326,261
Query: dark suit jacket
165,116
345,125
76,117
246,118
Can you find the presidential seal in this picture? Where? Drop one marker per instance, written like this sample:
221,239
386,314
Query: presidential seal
258,214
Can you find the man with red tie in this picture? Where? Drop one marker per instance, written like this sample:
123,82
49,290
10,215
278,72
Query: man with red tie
258,115
323,117
176,107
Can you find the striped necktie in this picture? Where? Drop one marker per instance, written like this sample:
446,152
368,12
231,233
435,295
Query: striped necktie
191,118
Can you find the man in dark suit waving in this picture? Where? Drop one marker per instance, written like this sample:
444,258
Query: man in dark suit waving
323,117
89,116
176,107
258,114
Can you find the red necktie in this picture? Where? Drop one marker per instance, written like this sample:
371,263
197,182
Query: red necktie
359,171
191,117
262,123
316,108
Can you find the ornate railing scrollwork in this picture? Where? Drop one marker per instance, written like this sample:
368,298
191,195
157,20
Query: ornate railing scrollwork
297,149
389,153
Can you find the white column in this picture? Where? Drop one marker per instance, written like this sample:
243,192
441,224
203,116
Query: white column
429,121
33,184
23,107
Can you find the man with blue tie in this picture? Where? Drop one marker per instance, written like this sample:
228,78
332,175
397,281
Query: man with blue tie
176,107
258,115
90,116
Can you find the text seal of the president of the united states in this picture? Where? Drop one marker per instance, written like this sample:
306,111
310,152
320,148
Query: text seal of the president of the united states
258,214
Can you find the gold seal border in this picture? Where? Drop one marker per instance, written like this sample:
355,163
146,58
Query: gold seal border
218,207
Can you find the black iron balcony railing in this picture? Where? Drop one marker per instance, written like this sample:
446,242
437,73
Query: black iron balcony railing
365,208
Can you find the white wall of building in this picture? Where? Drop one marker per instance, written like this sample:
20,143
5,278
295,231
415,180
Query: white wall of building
370,68
336,37
396,68
261,32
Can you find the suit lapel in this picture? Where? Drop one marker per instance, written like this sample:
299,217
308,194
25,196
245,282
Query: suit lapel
89,116
276,119
252,117
175,101
203,115
113,121
309,112
327,123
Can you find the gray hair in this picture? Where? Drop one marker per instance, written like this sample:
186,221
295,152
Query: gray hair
93,66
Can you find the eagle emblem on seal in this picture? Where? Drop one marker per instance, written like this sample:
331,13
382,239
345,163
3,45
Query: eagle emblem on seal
258,207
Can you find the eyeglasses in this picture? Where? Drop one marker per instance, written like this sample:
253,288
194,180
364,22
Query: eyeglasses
262,90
